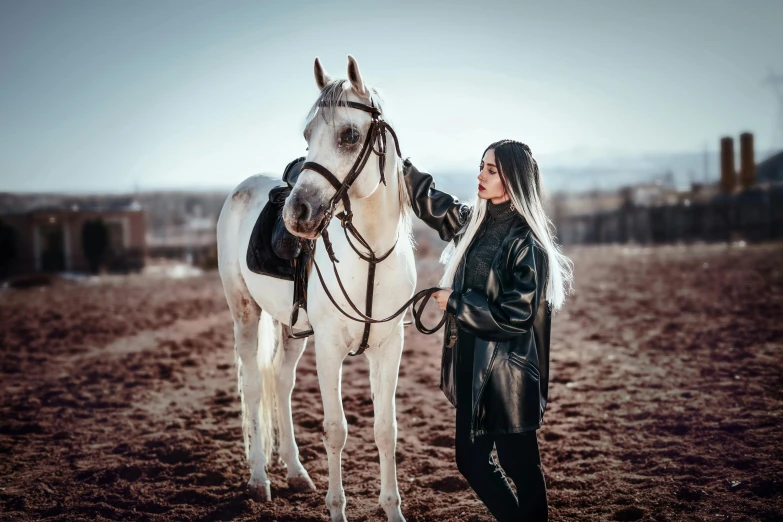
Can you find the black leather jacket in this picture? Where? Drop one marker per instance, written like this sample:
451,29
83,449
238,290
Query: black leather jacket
511,322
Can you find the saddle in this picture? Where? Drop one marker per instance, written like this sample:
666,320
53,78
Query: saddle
273,251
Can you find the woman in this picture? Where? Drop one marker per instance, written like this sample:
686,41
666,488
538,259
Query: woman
504,276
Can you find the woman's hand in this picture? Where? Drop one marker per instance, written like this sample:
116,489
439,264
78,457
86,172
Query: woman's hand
442,296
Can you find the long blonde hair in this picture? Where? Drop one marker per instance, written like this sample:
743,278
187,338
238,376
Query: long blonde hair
522,181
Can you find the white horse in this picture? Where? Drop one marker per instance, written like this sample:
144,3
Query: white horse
261,305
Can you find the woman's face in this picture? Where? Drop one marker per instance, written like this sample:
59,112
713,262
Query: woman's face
490,186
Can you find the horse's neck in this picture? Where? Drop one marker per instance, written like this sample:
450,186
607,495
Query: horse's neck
377,217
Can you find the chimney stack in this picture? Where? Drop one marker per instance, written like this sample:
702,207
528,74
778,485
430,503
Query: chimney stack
747,162
728,176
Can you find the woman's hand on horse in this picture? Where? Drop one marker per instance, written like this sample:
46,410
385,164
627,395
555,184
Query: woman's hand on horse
442,296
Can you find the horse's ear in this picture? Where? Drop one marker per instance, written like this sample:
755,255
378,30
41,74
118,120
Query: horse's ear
321,78
356,78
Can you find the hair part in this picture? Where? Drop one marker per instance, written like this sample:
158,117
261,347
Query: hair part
521,179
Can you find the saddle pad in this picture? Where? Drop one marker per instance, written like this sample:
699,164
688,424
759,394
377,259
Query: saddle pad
261,258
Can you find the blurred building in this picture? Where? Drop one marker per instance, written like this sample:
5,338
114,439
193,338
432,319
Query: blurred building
743,204
771,169
51,238
193,241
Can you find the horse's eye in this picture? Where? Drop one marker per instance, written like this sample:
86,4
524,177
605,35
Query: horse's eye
349,136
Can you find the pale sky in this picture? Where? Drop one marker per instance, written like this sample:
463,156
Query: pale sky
108,95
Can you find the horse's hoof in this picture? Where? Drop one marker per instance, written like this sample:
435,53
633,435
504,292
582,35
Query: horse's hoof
301,483
261,491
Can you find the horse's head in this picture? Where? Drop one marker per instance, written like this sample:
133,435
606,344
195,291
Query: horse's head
336,135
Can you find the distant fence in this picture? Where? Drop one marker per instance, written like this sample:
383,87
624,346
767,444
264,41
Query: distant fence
755,214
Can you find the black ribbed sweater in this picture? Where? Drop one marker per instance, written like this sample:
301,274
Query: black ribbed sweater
489,236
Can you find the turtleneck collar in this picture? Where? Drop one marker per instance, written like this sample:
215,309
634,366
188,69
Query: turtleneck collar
501,211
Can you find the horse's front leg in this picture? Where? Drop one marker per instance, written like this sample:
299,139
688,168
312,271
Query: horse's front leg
384,367
329,357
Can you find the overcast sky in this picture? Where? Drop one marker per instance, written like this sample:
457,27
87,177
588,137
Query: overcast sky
112,95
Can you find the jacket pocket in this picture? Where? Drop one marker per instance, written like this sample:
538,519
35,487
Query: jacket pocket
524,364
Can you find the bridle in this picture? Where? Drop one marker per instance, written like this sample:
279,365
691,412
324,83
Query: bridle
375,142
375,134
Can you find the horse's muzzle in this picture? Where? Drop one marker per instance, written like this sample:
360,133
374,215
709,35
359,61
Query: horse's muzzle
304,218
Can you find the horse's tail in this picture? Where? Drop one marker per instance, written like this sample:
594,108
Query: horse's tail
270,359
269,356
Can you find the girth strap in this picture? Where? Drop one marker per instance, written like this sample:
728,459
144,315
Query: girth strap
368,307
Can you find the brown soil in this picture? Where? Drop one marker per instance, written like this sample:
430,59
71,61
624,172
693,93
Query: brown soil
119,401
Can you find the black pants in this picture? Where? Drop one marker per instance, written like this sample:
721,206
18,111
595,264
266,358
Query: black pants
518,455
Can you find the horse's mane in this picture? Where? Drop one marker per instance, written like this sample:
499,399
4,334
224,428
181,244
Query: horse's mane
332,96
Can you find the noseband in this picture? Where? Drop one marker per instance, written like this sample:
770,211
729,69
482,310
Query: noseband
376,137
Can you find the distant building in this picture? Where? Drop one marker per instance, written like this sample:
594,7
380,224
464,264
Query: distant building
49,239
745,204
771,169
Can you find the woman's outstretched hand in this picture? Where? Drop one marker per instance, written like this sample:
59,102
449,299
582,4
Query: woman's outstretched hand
442,296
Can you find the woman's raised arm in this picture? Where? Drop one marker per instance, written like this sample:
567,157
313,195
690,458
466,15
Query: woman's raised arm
440,210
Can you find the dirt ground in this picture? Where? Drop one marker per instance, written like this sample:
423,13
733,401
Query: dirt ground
119,401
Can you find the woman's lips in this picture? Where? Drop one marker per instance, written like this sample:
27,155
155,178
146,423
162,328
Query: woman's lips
481,187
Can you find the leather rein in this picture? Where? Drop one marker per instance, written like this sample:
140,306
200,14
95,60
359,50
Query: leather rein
376,136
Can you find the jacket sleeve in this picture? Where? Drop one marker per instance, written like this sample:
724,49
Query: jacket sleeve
441,211
509,313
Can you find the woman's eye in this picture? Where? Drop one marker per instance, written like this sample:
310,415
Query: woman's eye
349,136
492,172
